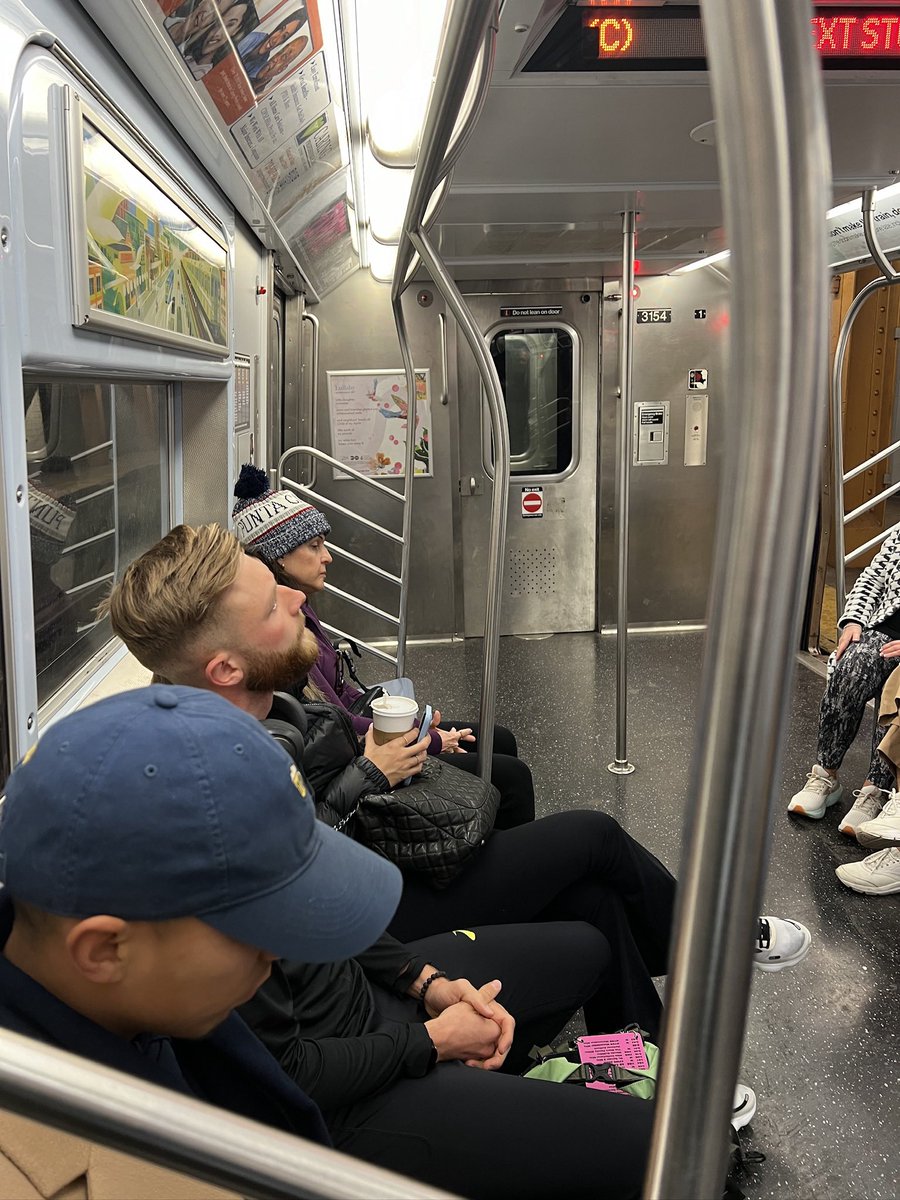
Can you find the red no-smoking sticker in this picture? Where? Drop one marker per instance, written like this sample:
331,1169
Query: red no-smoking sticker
532,501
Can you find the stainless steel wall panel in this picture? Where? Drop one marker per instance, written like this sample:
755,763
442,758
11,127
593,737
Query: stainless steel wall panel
549,574
673,507
206,452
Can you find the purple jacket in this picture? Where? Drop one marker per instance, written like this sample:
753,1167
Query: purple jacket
328,676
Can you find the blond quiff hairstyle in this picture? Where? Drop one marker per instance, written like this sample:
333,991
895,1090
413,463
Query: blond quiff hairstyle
168,600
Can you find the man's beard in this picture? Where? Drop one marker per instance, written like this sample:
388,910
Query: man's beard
276,670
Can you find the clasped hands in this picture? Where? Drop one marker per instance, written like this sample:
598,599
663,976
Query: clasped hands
468,1024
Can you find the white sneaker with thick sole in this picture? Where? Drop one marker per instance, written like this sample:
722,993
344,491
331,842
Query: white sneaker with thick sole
820,791
877,875
744,1109
780,944
868,803
883,830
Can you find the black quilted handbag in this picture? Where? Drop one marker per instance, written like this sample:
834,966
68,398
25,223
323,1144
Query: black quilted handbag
434,826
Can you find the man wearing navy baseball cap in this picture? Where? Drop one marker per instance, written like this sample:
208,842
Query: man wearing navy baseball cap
145,896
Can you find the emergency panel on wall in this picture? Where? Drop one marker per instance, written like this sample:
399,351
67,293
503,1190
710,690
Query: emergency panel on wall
650,441
591,37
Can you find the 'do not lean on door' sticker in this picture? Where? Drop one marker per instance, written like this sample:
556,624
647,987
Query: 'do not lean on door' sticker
532,501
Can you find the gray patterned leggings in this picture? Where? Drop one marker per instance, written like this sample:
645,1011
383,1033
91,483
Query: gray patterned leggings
856,679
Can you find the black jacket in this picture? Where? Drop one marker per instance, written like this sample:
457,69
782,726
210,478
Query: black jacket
322,1022
329,750
228,1067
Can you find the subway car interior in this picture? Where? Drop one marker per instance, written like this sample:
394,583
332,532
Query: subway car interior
593,267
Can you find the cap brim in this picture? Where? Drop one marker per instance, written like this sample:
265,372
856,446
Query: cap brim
337,907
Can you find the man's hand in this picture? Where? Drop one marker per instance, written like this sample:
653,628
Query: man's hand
461,1033
851,633
398,758
445,994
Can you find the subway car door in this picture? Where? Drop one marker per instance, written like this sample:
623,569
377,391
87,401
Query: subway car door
545,348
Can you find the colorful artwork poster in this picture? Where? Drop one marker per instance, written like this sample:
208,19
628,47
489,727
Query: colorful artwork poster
282,117
147,259
298,167
242,49
368,422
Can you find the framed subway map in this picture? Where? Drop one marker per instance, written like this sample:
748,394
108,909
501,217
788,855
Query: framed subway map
145,262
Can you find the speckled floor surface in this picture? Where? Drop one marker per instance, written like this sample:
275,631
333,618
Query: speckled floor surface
822,1048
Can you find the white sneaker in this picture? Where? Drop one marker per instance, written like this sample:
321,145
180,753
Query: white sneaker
883,830
820,791
877,875
744,1109
780,944
868,803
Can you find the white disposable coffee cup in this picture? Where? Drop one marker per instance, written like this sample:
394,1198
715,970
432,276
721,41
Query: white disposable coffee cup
393,716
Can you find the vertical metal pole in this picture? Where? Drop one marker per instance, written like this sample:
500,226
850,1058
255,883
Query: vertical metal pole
768,104
406,550
499,495
620,765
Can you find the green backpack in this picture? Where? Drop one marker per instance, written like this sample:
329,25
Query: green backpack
560,1064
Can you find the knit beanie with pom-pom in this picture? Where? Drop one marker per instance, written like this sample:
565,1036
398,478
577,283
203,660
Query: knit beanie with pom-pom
272,524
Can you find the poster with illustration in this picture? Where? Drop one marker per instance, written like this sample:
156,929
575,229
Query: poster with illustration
368,412
147,265
241,49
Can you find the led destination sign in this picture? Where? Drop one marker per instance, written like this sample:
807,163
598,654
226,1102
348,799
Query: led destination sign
624,38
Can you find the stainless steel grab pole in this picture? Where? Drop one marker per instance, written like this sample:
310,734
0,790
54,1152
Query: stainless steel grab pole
499,493
406,549
469,30
888,277
768,104
620,765
181,1133
837,436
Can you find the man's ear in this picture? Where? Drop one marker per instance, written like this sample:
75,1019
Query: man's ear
97,948
223,670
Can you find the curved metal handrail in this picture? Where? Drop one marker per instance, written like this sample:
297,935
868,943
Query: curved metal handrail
181,1133
888,278
769,107
468,26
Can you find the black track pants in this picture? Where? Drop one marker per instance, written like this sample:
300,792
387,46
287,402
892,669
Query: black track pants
858,677
491,1134
573,866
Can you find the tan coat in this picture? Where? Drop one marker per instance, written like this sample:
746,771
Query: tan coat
40,1163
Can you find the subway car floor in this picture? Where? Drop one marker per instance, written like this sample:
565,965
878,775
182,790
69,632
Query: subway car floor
822,1048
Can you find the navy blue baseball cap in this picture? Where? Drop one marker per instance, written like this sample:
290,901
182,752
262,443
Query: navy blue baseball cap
170,802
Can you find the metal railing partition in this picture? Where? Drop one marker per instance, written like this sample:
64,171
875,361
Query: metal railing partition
183,1134
768,103
467,45
398,620
887,278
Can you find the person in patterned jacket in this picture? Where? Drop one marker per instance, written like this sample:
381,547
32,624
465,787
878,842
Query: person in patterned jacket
867,652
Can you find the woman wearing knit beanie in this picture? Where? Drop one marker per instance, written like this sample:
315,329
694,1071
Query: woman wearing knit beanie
288,535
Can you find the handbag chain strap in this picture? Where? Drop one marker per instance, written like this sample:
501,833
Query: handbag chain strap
349,817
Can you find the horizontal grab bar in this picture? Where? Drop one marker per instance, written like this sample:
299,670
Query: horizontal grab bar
877,499
391,658
336,463
363,604
334,548
347,512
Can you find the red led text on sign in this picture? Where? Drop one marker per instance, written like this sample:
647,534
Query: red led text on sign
875,34
614,35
